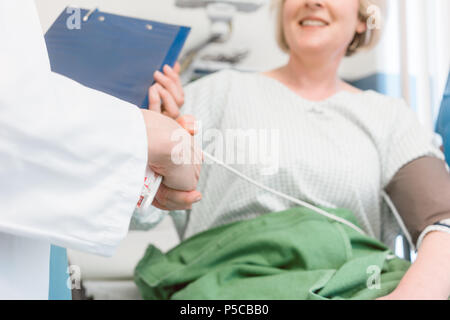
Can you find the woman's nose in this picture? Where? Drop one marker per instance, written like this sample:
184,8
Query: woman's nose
314,4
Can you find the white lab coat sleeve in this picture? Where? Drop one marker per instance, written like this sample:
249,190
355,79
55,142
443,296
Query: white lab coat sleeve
72,159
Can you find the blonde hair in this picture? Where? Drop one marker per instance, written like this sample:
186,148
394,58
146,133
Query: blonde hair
368,10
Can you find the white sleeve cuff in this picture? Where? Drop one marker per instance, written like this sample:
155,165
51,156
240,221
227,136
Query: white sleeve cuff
148,220
146,216
443,226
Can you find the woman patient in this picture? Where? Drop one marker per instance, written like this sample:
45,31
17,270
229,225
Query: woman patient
336,146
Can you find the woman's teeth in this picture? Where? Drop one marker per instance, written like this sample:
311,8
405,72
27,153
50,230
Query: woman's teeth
313,23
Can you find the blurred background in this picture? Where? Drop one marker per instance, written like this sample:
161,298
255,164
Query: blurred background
412,61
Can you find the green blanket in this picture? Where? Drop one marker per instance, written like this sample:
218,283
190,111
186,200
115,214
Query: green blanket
294,254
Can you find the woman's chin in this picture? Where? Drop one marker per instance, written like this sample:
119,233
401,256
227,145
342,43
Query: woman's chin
311,48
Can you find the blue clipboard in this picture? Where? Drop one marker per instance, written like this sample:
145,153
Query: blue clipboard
113,54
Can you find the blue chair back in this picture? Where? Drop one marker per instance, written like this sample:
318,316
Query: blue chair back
443,121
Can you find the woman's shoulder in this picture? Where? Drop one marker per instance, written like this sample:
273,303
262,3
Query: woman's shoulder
387,113
375,95
380,101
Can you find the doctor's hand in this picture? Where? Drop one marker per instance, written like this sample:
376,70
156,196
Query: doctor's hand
172,152
166,96
170,199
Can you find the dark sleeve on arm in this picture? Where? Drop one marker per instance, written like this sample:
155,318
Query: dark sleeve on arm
420,192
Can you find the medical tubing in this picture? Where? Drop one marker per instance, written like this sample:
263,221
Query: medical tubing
282,195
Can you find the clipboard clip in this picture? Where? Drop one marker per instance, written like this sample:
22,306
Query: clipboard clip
90,12
102,18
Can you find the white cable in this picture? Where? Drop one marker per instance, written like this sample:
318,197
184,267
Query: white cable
399,219
282,195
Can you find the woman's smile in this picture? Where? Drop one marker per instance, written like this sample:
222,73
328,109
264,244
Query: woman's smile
312,22
318,28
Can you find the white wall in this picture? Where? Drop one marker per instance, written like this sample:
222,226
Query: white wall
257,27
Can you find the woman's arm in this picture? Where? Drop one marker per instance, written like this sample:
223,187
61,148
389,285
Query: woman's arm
429,276
421,193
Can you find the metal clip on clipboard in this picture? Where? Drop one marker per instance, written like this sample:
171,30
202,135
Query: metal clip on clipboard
87,15
102,18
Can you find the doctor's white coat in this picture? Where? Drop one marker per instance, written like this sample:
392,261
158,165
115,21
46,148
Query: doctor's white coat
72,160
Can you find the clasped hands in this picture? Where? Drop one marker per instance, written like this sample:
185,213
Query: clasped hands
172,152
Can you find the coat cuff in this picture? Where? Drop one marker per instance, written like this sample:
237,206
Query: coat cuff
443,226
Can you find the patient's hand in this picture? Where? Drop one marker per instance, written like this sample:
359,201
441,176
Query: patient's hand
170,199
166,95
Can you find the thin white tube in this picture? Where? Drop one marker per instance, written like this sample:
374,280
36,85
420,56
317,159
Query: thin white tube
399,220
282,195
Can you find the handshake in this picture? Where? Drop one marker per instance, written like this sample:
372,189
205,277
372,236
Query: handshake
172,152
